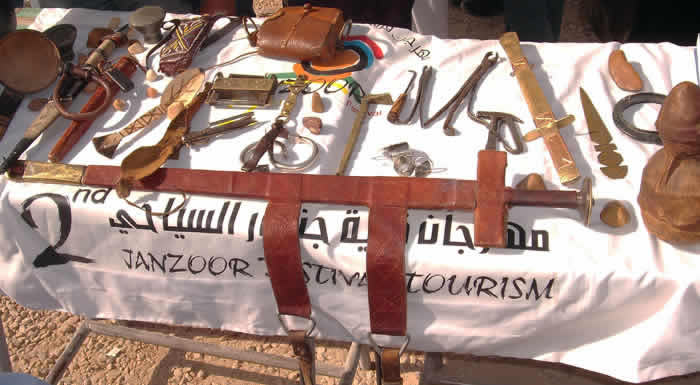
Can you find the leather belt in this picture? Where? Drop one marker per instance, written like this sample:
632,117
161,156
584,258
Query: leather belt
385,275
283,260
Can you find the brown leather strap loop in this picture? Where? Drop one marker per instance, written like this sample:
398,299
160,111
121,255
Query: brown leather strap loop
252,36
304,350
390,364
385,266
87,75
283,255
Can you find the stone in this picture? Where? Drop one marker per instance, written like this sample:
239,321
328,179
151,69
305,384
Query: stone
316,103
623,73
119,104
174,109
114,23
151,92
151,75
136,48
96,35
313,123
37,104
532,182
615,214
66,328
132,34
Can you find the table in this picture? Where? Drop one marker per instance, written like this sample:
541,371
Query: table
619,302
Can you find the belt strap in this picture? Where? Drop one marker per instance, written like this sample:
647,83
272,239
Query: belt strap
385,273
283,260
385,270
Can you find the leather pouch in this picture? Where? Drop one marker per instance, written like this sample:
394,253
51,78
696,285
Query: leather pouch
300,33
183,44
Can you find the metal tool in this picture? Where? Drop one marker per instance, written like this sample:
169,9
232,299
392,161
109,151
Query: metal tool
489,60
599,134
219,128
495,120
547,126
395,112
364,107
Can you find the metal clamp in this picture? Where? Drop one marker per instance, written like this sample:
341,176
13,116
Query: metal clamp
379,349
392,375
286,329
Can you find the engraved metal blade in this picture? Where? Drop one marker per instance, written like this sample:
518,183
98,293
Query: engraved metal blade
596,128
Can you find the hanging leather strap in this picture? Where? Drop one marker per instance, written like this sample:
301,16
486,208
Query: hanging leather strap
385,268
283,260
304,349
386,271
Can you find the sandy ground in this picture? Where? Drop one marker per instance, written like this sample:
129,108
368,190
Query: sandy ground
37,338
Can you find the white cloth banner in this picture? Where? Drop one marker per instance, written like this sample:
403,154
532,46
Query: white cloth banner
615,301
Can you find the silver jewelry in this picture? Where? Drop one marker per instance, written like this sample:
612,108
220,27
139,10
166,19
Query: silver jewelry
298,166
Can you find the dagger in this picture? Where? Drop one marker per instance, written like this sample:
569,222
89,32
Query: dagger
49,113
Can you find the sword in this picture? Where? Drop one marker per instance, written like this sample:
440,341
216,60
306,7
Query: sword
547,126
487,196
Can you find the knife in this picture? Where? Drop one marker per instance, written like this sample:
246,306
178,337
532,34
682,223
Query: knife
599,134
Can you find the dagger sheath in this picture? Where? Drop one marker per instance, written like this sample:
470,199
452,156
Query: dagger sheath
78,127
542,115
49,113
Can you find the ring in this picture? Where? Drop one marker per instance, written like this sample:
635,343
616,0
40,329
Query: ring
299,166
645,136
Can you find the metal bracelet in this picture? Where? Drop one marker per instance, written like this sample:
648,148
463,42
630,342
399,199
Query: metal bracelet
299,166
628,128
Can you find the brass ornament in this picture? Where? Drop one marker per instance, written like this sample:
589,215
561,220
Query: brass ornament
599,134
241,90
615,214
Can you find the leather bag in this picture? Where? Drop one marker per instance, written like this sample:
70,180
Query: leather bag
183,43
300,33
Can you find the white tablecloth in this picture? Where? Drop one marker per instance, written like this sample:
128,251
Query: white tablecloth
615,301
